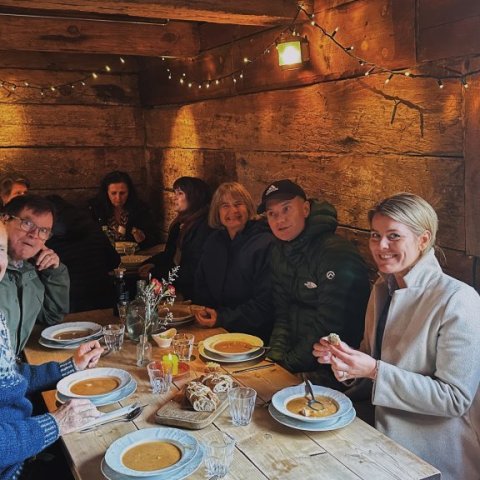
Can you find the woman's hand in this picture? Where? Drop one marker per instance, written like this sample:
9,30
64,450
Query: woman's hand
138,235
87,355
74,414
206,317
347,363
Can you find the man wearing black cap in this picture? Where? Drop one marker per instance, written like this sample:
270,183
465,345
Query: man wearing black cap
320,282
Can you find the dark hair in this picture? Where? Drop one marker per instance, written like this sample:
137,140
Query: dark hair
198,196
36,203
197,192
116,177
7,182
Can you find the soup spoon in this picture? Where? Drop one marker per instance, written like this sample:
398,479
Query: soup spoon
310,396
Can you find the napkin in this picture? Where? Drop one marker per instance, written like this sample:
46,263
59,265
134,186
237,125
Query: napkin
106,417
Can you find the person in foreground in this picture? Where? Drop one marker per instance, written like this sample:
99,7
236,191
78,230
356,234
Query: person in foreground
186,235
233,276
22,435
319,281
36,285
118,209
421,344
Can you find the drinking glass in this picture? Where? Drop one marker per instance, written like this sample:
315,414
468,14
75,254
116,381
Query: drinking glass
160,376
219,448
113,335
242,403
182,345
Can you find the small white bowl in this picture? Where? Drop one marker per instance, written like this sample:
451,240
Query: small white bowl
164,339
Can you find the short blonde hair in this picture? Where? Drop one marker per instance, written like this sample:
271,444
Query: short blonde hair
411,210
238,192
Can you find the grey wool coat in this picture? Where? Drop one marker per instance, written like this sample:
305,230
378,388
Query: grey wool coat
426,394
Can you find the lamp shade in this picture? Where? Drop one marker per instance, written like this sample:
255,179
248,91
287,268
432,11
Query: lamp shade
292,52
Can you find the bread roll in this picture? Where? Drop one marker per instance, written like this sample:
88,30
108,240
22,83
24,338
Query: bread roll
201,397
218,382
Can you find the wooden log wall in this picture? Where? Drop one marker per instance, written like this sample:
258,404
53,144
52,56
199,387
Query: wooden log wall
67,140
344,136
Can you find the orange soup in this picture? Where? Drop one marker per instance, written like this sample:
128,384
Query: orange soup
73,334
300,406
95,386
233,346
150,456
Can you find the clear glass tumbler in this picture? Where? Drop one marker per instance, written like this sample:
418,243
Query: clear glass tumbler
242,403
219,449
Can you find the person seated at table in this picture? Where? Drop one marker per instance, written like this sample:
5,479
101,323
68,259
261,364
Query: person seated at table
420,348
319,281
37,284
233,276
118,209
88,255
186,235
13,185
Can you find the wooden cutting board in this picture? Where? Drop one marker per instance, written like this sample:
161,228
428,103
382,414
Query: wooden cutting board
179,413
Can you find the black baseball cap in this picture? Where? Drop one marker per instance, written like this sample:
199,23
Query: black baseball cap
280,190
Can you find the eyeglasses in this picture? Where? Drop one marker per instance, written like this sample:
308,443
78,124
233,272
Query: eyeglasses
26,225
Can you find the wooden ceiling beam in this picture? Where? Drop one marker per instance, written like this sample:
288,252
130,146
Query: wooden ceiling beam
244,12
57,34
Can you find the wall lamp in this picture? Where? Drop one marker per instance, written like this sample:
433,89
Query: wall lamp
292,51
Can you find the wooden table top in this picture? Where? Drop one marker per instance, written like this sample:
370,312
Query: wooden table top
265,448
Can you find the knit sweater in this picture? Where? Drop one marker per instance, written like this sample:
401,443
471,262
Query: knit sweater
21,434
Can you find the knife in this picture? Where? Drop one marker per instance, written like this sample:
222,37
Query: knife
251,369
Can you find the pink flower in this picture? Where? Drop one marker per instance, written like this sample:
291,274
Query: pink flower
171,290
157,286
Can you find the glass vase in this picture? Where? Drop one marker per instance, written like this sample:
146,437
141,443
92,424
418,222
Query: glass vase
144,351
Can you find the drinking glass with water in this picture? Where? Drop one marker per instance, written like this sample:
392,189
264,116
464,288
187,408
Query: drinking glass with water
113,335
219,449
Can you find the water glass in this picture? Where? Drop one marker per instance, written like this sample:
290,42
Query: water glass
219,448
160,376
182,345
122,308
242,403
113,335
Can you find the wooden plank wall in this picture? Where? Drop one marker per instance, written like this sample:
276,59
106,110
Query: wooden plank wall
66,141
346,137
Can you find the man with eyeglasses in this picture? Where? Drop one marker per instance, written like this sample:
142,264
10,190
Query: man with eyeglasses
36,285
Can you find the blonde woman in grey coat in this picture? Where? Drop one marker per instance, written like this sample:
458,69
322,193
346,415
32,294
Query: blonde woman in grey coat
421,347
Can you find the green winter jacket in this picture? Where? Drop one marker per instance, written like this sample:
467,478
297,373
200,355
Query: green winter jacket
27,294
320,286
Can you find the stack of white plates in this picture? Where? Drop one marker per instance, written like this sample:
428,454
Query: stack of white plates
69,335
181,314
113,467
123,247
126,385
344,415
231,348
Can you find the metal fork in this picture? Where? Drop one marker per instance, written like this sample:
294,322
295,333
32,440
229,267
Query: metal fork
310,396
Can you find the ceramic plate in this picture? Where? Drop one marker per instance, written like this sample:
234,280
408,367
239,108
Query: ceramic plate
59,346
65,384
49,333
180,474
281,398
180,313
187,444
210,344
108,399
120,247
218,358
324,426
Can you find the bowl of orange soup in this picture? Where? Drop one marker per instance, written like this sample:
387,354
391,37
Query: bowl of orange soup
233,344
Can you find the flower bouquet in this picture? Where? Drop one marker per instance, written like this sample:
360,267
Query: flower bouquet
154,293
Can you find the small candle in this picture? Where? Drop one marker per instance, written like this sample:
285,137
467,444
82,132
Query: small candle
171,361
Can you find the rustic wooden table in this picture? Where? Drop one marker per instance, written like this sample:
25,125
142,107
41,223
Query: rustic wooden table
265,449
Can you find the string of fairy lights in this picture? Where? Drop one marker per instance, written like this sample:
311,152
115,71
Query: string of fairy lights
238,74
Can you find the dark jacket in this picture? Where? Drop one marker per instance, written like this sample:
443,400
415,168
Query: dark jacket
320,286
191,251
233,277
139,216
89,256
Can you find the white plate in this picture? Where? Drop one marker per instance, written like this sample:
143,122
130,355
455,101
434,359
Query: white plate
65,384
335,424
183,472
120,247
281,398
50,332
187,444
109,399
211,342
180,313
59,346
219,358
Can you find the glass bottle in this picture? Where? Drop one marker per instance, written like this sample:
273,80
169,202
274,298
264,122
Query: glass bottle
121,291
144,351
136,314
